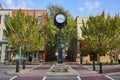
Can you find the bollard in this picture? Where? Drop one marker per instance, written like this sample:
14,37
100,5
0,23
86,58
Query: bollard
23,63
100,70
93,65
81,59
17,65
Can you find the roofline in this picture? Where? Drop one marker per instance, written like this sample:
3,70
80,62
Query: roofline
30,9
82,17
23,9
5,9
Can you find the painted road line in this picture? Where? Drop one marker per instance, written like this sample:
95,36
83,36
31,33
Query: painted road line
78,78
13,78
109,77
51,67
44,77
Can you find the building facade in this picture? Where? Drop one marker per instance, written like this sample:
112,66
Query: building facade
4,14
87,59
5,53
41,15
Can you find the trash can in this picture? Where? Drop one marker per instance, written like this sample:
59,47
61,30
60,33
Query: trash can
118,61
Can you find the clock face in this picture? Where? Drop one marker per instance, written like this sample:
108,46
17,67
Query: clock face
60,18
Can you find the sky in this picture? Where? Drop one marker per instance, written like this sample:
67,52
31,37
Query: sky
82,8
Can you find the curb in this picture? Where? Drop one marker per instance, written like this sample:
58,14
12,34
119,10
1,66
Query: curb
13,72
115,73
21,71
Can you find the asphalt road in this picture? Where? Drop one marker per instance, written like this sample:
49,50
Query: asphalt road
114,76
5,68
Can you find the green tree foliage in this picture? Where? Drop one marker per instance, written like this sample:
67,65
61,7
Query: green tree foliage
101,33
68,32
23,30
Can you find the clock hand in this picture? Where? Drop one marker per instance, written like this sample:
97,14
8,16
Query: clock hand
60,19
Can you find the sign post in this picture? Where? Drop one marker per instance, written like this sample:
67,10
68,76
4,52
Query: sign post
60,20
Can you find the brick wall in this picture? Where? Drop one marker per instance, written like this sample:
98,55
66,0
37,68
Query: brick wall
37,13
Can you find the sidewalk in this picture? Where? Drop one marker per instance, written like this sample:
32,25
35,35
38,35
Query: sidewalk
88,74
38,73
107,69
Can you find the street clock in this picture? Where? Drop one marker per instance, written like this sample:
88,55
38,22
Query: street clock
60,20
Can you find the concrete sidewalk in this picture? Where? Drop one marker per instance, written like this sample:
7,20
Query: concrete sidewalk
106,69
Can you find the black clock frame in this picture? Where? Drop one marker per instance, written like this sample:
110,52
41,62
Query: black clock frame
60,25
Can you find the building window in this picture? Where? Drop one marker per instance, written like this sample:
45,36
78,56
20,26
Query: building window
6,18
39,19
0,19
4,37
0,47
0,50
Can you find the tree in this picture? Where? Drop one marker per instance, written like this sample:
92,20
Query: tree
23,30
69,31
101,33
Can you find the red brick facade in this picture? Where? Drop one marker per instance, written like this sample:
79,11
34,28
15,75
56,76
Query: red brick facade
37,13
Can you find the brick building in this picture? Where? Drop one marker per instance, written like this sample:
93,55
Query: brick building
41,15
5,54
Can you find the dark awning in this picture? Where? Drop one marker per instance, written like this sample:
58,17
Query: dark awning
3,42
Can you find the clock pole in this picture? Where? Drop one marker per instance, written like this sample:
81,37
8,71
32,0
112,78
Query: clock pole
60,56
60,20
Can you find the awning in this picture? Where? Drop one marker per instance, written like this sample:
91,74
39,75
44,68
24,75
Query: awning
3,42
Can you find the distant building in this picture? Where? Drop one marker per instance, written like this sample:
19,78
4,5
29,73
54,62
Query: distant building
40,14
5,54
87,59
1,6
4,14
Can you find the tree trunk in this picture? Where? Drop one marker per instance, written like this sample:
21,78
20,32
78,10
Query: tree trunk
72,52
50,53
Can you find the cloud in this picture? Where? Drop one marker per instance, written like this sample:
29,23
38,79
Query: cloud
16,4
89,6
8,2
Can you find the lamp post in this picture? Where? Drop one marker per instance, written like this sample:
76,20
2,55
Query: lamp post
60,20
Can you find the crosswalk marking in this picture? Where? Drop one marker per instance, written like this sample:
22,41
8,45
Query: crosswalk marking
109,77
61,78
13,78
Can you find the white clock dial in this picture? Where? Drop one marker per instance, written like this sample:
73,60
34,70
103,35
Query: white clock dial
60,18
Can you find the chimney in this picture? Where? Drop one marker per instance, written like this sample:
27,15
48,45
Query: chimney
1,6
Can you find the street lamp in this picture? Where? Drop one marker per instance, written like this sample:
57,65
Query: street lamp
60,20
